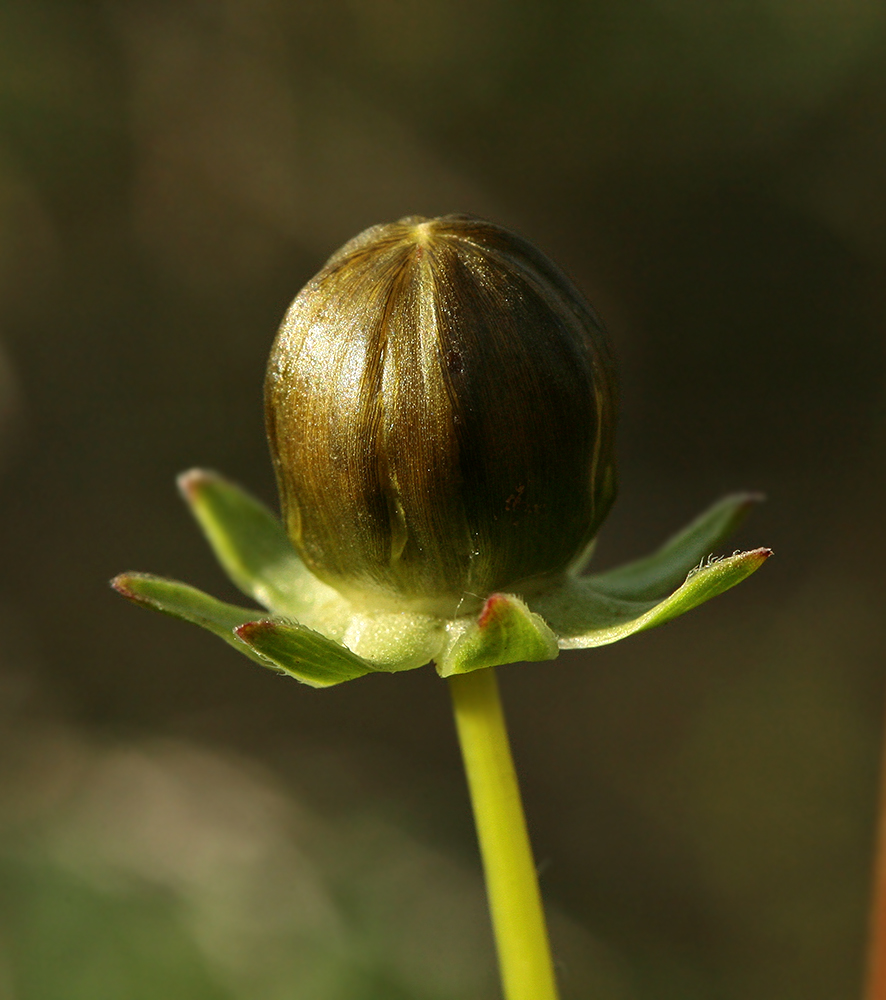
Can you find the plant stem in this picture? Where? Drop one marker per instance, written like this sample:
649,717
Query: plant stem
518,922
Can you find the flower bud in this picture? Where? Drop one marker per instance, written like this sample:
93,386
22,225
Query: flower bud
440,407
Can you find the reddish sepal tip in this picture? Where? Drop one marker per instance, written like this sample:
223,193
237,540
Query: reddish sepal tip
251,630
120,583
190,482
495,607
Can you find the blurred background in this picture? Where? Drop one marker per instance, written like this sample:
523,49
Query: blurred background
176,822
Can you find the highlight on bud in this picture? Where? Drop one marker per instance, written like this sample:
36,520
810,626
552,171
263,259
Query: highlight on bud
440,407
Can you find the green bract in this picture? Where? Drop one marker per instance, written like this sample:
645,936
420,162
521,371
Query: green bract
440,407
319,637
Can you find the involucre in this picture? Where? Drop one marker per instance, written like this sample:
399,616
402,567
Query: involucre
440,406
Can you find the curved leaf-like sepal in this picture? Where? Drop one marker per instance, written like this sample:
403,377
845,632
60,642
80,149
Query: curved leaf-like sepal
284,646
583,617
655,575
191,605
302,653
255,552
506,631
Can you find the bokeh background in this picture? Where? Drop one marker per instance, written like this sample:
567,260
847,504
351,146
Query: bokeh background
175,822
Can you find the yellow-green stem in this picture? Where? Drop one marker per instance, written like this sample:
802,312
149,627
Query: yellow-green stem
518,922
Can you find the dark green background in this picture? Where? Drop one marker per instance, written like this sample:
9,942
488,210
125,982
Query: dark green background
713,176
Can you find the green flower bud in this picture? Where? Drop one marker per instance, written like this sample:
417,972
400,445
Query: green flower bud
440,407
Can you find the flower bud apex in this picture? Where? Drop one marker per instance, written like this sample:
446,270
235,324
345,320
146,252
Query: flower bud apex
440,406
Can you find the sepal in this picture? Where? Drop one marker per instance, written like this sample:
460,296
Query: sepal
255,552
658,574
189,604
506,631
583,616
288,647
302,653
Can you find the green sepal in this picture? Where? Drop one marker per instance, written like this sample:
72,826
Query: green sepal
506,631
583,616
191,605
302,653
284,646
255,551
657,574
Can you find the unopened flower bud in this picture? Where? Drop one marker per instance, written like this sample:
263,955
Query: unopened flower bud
440,408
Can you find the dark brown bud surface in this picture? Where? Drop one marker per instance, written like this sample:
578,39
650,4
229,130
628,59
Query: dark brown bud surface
440,407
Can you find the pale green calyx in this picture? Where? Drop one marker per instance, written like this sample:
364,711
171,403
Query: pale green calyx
316,635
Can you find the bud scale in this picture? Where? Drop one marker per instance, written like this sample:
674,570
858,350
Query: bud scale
440,407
